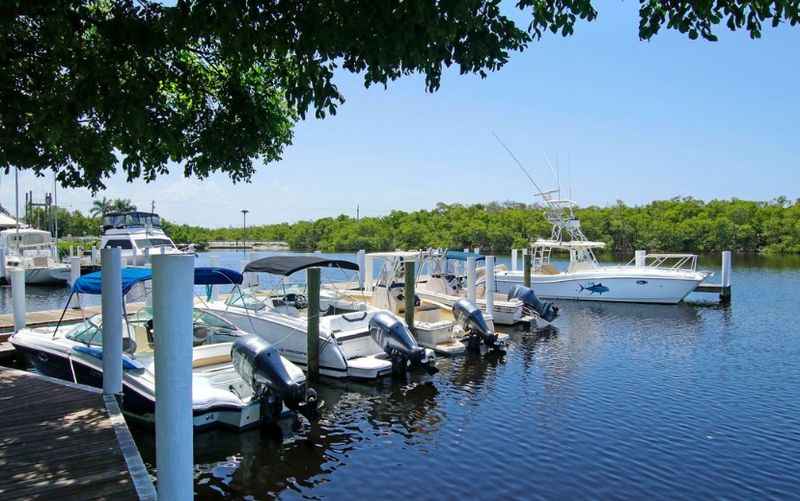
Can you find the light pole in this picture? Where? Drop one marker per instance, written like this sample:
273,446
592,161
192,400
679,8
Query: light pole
244,229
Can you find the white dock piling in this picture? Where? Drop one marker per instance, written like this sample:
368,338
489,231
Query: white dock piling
640,258
111,307
513,259
490,289
477,250
95,256
471,279
727,266
214,261
368,264
172,319
360,258
18,297
74,275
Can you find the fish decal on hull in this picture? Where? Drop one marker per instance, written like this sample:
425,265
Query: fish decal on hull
594,288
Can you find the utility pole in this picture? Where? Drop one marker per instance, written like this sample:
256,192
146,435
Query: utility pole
244,229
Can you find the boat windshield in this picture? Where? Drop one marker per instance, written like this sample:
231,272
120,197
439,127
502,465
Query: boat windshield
246,300
87,332
154,242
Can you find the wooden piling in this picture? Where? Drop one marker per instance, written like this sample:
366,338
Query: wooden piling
410,293
313,279
526,269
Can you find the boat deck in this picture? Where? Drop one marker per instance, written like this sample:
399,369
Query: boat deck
65,441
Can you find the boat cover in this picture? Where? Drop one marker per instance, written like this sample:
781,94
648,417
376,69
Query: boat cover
286,265
92,282
462,256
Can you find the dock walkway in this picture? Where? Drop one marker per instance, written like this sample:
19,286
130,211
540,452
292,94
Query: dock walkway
60,440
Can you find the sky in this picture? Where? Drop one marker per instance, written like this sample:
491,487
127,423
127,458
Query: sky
621,119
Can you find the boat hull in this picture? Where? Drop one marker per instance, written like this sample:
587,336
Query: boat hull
633,288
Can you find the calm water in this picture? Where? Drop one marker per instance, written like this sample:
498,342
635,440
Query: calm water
622,401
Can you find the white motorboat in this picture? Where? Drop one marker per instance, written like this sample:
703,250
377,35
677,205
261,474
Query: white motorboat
449,329
358,343
138,234
238,380
35,252
446,282
648,278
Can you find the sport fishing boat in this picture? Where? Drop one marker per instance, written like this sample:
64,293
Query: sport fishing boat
238,379
450,329
648,278
35,252
358,343
446,283
138,235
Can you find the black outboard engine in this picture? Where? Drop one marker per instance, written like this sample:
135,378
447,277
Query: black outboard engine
471,319
396,340
547,311
273,381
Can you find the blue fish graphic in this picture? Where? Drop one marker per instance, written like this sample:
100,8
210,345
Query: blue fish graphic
593,288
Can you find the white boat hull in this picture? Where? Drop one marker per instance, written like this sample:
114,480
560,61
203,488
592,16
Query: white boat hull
43,276
597,285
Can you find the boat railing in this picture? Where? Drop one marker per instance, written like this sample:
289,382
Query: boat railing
673,261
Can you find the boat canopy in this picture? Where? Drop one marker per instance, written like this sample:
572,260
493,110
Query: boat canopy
462,256
286,265
92,282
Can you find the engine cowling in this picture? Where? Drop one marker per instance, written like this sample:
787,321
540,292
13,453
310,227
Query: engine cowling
261,366
471,319
396,340
547,311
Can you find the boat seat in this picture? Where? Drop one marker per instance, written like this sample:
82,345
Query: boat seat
140,336
222,358
548,269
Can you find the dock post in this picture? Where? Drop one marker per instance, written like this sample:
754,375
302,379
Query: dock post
471,279
74,275
95,256
526,268
18,297
477,250
111,307
360,259
513,259
410,293
489,290
725,292
214,261
368,263
2,263
173,294
313,280
640,258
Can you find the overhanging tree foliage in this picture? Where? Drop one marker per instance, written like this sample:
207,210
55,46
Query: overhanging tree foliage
87,86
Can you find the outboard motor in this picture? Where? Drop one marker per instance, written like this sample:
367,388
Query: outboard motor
547,311
471,319
273,381
396,340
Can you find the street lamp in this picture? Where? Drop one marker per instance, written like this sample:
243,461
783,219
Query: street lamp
244,229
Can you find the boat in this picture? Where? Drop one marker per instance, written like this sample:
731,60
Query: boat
35,252
139,235
355,342
648,278
449,329
446,283
238,380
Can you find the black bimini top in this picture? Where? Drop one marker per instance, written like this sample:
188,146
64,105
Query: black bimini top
286,265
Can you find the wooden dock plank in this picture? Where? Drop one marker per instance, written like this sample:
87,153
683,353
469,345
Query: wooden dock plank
59,440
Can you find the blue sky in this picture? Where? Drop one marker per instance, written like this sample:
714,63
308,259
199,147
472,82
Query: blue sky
625,119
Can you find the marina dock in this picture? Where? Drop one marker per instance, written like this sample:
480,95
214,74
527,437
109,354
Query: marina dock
60,440
50,317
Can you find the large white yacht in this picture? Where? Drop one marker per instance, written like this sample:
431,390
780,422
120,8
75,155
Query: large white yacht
137,234
36,253
648,278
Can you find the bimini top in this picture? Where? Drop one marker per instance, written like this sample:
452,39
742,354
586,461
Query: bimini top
286,265
92,282
462,256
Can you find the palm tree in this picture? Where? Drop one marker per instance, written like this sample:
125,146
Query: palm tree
100,207
122,205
